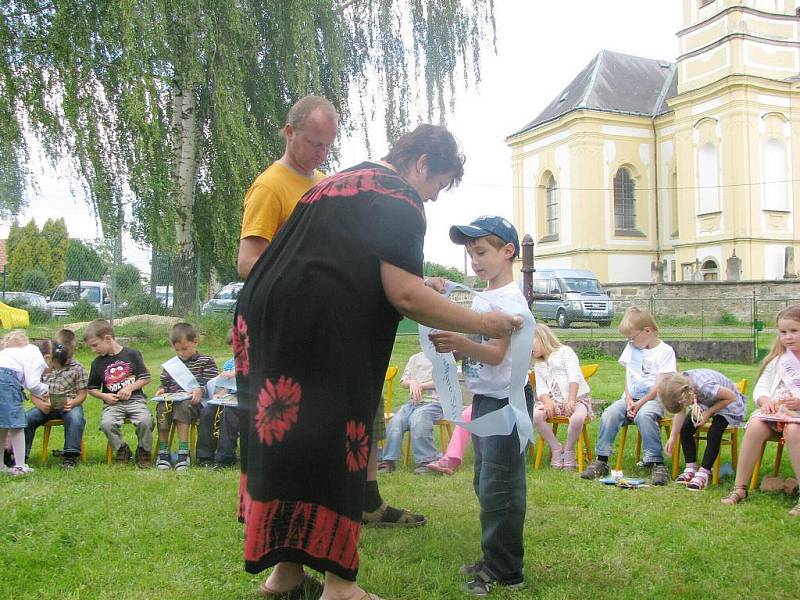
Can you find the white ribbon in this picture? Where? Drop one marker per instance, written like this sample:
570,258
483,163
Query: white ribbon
181,374
445,377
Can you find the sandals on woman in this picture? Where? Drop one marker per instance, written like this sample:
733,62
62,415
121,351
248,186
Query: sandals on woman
795,512
310,587
388,516
737,494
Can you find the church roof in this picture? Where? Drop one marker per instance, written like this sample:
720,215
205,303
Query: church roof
617,83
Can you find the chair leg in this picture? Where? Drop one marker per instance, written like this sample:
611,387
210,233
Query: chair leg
757,468
638,453
776,469
45,441
580,453
676,460
406,447
109,453
537,461
735,448
587,444
621,449
193,440
83,451
715,476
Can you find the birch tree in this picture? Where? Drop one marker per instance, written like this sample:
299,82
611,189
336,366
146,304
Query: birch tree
169,108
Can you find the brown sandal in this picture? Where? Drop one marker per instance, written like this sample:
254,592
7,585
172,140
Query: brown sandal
310,587
737,494
388,516
795,512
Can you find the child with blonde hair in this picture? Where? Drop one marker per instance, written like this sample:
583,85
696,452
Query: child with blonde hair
777,395
21,365
699,397
647,361
561,391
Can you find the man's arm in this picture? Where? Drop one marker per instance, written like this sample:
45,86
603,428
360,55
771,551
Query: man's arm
250,250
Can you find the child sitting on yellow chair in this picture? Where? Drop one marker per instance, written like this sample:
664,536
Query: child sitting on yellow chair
561,391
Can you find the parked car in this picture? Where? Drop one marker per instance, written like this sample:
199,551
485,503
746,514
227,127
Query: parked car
224,301
165,294
569,296
69,292
27,300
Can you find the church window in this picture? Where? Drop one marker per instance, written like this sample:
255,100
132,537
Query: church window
776,185
707,180
710,270
552,207
624,201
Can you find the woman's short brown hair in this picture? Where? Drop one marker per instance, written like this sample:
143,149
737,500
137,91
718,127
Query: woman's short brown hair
434,142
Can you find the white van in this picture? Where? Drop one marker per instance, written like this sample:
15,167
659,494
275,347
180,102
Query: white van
570,295
68,293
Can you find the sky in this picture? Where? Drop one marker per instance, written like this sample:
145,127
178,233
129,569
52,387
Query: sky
541,46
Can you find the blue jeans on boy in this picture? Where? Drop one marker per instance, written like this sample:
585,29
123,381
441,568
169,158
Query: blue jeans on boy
616,415
500,485
74,424
418,420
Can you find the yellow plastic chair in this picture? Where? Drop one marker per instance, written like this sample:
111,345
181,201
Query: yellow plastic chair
732,441
391,373
193,429
584,445
776,469
445,431
46,439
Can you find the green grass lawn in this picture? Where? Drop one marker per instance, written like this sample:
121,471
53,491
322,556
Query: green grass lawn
121,532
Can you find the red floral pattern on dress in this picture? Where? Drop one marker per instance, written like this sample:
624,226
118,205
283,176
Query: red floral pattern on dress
241,346
278,407
357,446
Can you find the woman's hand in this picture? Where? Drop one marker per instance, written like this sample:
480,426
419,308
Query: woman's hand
436,283
498,324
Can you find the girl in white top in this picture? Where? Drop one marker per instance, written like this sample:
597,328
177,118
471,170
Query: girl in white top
777,395
561,391
21,364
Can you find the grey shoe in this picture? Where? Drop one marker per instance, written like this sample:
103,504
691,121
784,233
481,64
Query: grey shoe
483,581
423,470
595,469
163,463
471,569
659,475
183,462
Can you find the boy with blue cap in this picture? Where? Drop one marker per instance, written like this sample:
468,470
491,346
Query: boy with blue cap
492,244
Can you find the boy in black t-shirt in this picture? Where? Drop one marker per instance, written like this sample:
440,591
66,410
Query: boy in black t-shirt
117,377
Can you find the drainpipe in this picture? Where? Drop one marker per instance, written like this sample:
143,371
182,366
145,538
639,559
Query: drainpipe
655,198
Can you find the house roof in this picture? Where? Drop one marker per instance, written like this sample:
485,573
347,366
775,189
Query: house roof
617,83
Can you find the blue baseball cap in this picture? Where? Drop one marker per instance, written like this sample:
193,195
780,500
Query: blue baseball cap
483,226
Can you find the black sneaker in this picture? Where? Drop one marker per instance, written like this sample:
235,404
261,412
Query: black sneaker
163,463
470,570
144,460
596,469
482,583
183,461
123,455
68,462
659,475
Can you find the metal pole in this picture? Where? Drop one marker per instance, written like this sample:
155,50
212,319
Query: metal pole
114,278
527,268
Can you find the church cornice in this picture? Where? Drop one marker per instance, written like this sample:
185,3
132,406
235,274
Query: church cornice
742,36
731,82
743,9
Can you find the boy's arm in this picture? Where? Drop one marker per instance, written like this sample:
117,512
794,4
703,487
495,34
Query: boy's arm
105,397
491,353
95,385
142,376
652,392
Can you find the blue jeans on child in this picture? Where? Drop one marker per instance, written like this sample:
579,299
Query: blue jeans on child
74,424
616,415
418,420
499,483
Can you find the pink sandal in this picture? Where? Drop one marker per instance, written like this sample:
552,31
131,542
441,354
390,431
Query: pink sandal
698,482
686,476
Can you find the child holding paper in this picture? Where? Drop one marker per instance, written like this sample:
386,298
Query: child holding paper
647,361
492,244
777,395
219,425
189,374
117,377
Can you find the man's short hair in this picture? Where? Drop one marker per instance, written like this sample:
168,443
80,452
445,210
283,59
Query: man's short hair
99,328
181,332
305,106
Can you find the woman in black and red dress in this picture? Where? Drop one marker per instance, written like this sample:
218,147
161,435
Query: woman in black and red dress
315,325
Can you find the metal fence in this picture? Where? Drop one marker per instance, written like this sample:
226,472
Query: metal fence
94,280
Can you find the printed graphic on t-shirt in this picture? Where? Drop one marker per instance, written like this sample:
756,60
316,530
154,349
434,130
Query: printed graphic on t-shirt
471,367
117,375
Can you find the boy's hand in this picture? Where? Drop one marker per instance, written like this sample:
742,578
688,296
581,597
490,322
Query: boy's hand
415,390
124,393
447,341
69,403
42,404
634,408
197,395
228,375
111,399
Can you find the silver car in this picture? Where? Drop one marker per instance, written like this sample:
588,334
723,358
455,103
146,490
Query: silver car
224,301
27,300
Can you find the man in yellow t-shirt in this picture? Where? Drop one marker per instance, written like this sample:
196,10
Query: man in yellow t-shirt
310,130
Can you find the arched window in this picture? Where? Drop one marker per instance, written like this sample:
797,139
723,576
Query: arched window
775,177
552,207
624,201
707,179
710,270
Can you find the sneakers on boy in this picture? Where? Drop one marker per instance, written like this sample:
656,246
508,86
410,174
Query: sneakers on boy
595,469
183,461
659,475
144,460
163,463
483,581
123,455
386,466
69,461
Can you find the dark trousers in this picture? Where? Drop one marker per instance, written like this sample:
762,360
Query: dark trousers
500,485
217,435
718,426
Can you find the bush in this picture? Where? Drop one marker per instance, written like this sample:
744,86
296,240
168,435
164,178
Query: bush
35,281
83,310
141,303
727,318
590,353
216,326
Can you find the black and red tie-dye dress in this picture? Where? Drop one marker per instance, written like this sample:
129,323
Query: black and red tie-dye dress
314,333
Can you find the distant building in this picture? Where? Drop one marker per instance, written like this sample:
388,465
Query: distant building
645,169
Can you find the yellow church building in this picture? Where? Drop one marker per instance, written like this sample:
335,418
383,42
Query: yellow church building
647,170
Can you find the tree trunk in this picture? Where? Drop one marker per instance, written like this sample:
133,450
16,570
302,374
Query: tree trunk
184,146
